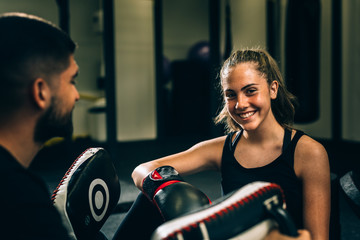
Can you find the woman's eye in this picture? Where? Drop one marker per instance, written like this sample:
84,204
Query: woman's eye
229,95
250,91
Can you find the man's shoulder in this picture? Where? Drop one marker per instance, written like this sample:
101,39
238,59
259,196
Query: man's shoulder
26,198
20,185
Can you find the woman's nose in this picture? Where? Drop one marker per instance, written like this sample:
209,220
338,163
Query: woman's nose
241,103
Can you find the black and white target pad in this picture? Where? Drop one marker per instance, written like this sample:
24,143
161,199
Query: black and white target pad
88,193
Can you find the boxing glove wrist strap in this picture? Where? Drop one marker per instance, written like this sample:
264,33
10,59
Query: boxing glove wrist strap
158,179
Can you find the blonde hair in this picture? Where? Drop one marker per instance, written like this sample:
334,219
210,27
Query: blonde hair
283,106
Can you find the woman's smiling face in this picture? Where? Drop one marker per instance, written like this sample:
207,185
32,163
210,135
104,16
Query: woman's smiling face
248,95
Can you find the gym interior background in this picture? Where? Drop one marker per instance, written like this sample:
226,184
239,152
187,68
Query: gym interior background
148,72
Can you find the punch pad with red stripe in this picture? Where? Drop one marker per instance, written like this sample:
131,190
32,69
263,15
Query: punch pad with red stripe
88,193
248,213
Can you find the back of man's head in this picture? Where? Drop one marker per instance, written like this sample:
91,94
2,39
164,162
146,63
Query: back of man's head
30,48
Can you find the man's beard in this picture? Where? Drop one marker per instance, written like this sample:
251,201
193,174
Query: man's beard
52,124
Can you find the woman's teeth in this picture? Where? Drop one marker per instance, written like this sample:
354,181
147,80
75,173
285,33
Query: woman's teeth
246,115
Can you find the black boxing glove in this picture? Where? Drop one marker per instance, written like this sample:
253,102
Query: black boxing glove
158,179
172,196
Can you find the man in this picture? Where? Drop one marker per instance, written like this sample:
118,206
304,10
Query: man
37,96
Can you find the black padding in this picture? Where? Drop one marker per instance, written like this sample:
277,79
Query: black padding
178,199
185,117
88,193
97,176
273,28
350,185
229,216
302,68
335,226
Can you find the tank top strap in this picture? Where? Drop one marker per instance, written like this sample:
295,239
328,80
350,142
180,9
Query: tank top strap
287,139
297,136
289,151
235,141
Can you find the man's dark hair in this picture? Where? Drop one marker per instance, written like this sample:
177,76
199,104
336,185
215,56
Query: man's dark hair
30,47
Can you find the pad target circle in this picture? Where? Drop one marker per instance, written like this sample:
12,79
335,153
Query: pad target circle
98,199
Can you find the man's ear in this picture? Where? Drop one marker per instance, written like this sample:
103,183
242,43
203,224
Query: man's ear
41,93
274,86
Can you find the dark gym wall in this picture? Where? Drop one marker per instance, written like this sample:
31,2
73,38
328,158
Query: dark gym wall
248,29
302,61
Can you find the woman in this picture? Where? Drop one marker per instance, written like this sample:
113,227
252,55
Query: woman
261,145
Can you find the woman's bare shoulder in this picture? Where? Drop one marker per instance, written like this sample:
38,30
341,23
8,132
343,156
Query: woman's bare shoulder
309,146
310,156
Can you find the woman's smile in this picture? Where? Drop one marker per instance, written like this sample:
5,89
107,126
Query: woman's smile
246,115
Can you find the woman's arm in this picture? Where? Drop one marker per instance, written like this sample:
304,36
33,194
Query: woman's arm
202,156
312,166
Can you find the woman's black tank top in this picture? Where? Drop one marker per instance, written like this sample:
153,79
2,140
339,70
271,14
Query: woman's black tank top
280,171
